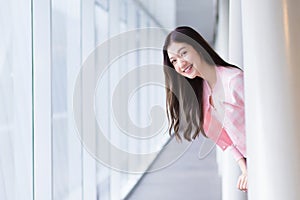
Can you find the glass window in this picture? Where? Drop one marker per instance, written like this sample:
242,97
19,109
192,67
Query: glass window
66,146
123,10
101,25
103,173
103,3
16,153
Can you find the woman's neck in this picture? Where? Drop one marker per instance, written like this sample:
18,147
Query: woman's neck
210,75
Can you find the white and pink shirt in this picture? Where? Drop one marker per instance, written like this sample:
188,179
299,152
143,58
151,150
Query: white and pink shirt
224,113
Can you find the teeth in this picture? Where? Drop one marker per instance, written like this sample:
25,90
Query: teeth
187,68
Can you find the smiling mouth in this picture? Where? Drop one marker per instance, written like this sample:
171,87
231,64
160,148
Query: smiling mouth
188,68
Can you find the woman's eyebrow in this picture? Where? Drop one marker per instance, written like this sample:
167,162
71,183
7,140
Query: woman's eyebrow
180,49
177,52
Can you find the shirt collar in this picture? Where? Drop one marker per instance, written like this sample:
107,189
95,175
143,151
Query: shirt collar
218,89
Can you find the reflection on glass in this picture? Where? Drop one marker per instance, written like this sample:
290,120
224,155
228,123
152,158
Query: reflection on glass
66,147
16,156
103,173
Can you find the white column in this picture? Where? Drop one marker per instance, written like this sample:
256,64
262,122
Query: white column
221,46
235,56
271,54
229,45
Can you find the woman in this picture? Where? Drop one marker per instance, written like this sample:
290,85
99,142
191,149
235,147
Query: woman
204,94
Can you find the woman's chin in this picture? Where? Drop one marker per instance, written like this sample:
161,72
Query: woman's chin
191,76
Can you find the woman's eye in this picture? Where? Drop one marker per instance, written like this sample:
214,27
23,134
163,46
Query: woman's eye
184,53
173,62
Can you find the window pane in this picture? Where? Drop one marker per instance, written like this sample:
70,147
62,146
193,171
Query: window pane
103,173
15,100
66,147
103,3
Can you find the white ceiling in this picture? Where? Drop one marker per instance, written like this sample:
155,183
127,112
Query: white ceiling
199,14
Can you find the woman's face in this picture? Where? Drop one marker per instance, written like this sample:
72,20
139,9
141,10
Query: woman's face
185,59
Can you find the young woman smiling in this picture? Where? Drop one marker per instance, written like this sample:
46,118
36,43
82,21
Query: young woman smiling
214,106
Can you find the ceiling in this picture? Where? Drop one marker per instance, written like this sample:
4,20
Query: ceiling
199,14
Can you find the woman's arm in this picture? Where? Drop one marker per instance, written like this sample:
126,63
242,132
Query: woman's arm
243,178
242,165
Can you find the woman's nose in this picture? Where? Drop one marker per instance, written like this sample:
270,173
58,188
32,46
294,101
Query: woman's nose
182,63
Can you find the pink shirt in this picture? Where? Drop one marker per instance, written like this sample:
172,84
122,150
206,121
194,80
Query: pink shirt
224,119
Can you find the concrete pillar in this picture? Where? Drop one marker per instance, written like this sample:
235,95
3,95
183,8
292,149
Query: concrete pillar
221,46
271,58
235,56
229,46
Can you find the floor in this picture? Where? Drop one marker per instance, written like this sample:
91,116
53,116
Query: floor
188,178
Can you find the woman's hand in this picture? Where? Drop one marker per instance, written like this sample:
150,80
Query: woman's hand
242,183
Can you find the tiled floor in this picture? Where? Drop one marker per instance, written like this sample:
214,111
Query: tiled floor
188,178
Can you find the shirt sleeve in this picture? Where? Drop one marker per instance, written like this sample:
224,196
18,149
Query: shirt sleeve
238,117
237,88
236,153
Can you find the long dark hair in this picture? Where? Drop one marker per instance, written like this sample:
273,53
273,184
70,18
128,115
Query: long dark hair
183,95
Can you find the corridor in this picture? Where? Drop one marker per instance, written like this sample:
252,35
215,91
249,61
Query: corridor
188,178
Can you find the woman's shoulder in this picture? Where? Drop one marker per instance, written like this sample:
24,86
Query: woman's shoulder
228,73
233,80
230,70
